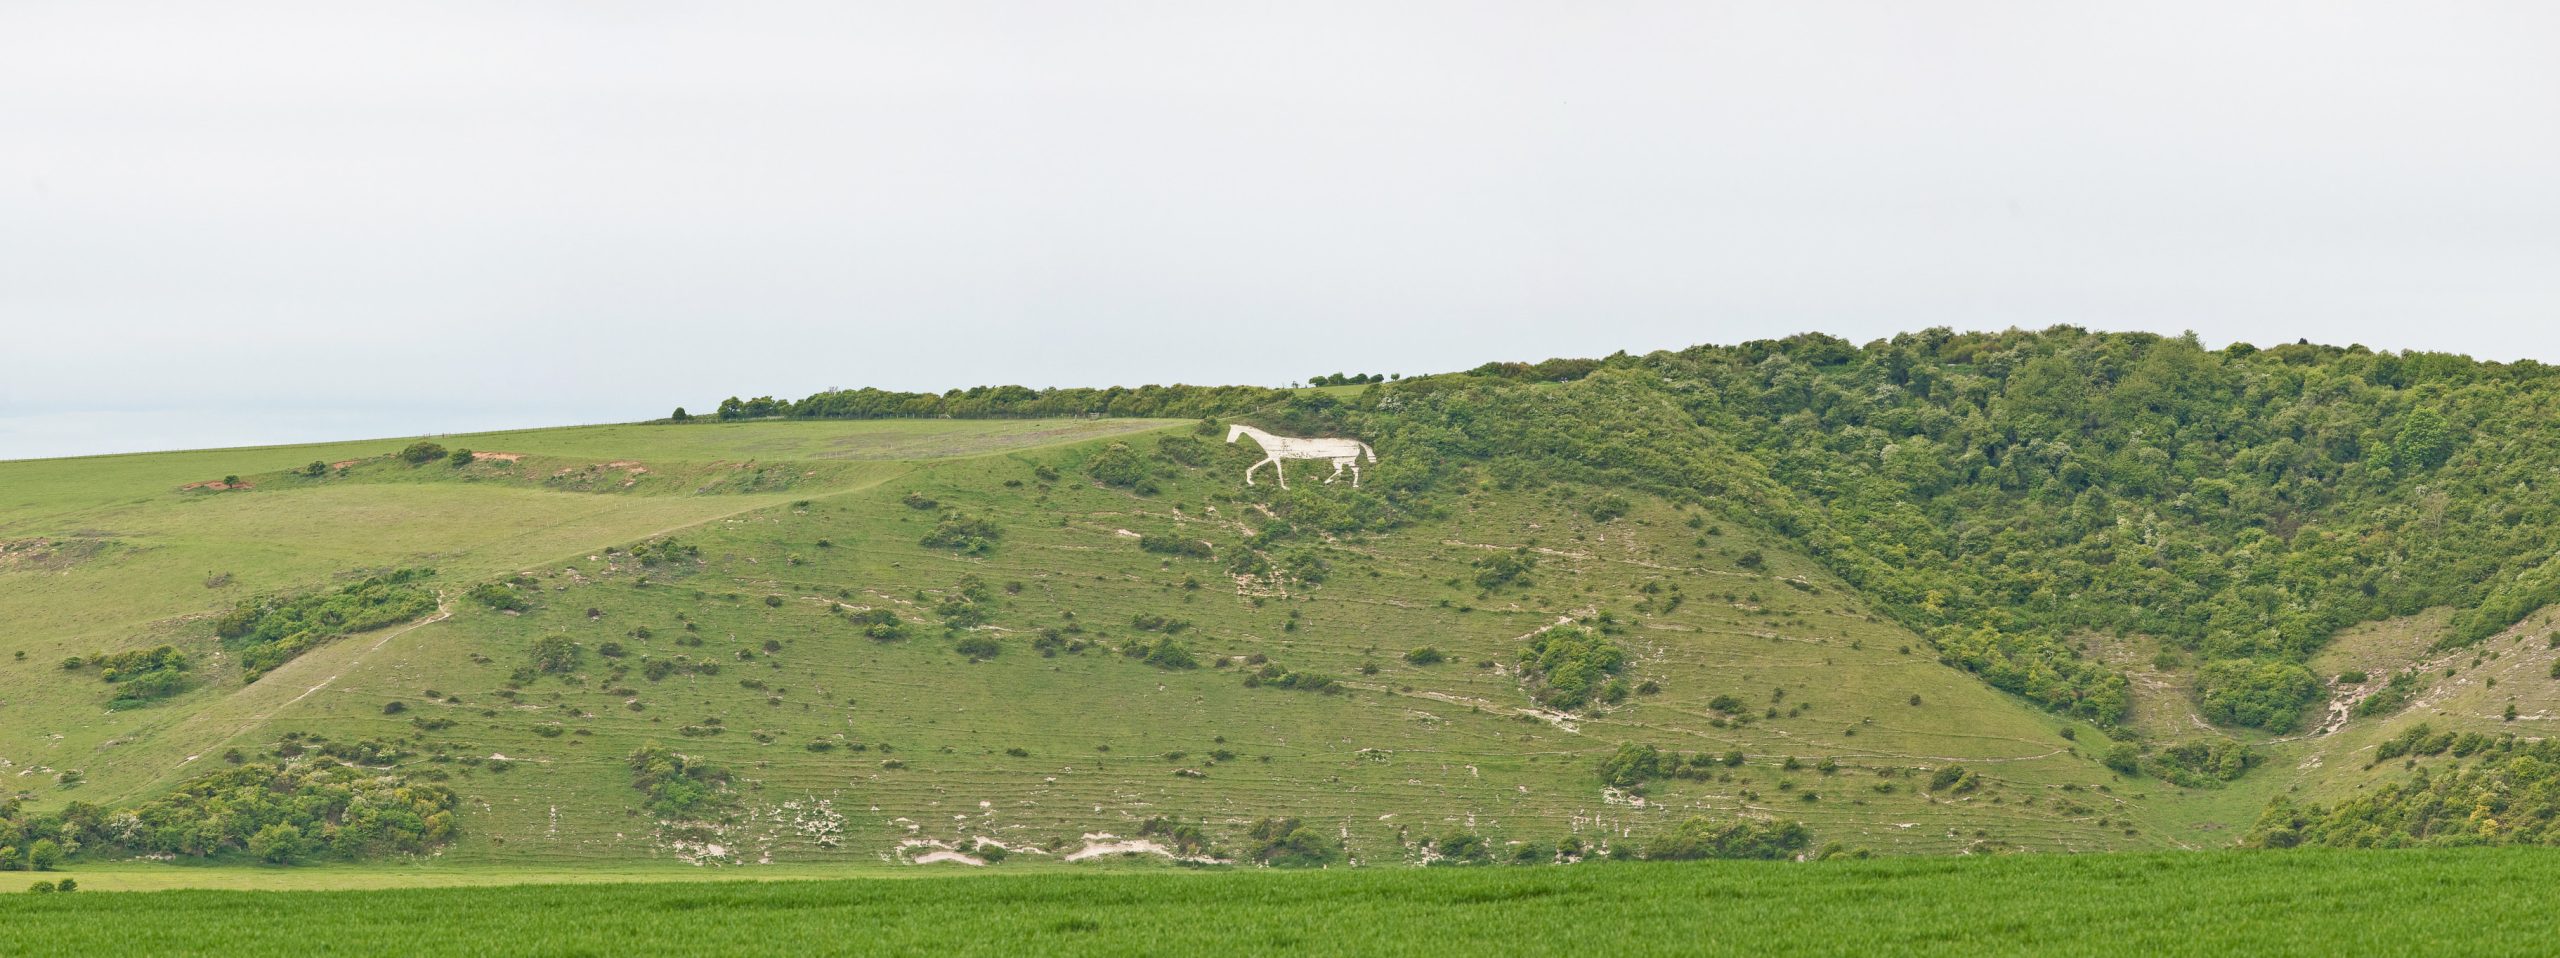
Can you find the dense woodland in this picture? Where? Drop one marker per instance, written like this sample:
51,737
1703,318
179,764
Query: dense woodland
2005,494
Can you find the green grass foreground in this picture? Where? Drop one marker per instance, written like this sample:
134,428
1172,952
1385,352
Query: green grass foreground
2466,902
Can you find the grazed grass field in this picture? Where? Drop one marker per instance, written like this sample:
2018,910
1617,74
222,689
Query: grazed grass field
2442,902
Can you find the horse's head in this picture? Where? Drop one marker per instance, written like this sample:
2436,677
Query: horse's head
1234,430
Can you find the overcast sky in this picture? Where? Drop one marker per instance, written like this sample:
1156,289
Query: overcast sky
250,221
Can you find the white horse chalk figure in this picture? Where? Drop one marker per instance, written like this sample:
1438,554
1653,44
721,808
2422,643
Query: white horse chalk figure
1343,452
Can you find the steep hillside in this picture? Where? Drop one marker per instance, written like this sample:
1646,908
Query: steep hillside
1943,593
2009,494
126,553
1118,670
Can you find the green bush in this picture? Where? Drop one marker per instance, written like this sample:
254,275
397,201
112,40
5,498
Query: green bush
499,596
1290,843
2205,763
1120,466
1700,838
971,536
420,453
1504,568
554,654
268,632
1163,653
1630,765
1175,546
2256,694
1954,779
2124,757
2390,698
1569,666
678,787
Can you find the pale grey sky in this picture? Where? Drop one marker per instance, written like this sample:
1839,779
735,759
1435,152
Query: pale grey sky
254,221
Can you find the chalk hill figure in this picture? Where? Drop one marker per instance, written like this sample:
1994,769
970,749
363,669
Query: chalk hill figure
1343,452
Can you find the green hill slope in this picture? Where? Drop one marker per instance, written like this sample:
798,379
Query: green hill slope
747,650
1945,593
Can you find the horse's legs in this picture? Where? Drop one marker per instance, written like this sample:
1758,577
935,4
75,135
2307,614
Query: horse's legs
1280,469
1248,470
1337,472
1355,474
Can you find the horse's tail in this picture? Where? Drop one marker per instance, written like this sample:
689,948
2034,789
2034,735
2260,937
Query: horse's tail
1364,447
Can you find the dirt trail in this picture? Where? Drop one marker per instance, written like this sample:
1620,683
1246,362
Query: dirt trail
244,711
238,725
2342,705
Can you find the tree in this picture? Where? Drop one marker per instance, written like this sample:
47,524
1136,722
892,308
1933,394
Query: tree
2124,758
2257,694
422,452
277,844
681,415
462,457
2425,441
316,469
44,855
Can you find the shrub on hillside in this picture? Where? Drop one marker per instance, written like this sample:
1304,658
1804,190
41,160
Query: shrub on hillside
2256,694
1698,838
1174,546
553,654
420,453
2204,762
678,787
499,596
1569,667
1163,653
1290,843
334,810
1630,765
2509,794
1122,467
268,632
970,536
1504,568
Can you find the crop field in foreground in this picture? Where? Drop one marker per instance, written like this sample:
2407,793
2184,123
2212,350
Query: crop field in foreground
2466,902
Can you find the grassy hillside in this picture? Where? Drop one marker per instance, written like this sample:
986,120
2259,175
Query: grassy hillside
1941,594
113,553
2290,903
744,647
